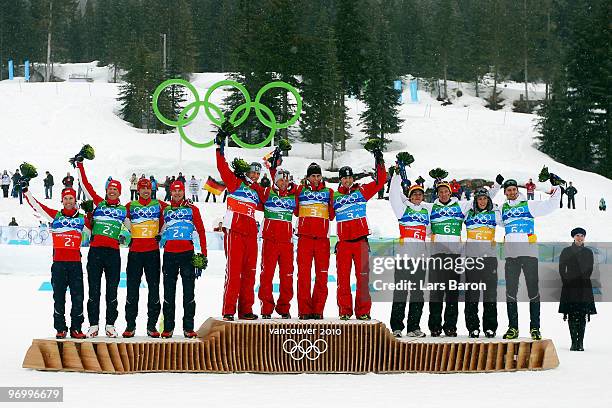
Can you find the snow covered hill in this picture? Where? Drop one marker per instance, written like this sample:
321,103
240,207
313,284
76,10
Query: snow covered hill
46,123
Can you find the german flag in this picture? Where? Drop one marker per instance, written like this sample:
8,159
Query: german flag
214,186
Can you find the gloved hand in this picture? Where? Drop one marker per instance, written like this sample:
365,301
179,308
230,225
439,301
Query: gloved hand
378,157
225,131
276,159
158,237
499,179
78,158
24,183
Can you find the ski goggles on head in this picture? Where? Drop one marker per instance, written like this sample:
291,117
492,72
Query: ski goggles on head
481,192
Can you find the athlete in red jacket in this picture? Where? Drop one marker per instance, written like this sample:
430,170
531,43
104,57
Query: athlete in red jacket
103,257
66,271
181,218
352,248
315,209
240,236
145,217
279,208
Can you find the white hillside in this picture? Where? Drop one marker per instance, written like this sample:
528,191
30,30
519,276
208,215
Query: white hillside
46,123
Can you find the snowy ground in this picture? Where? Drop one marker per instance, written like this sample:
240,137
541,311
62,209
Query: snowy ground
47,123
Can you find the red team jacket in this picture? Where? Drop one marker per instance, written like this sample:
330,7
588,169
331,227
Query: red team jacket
311,226
184,245
280,231
354,229
146,244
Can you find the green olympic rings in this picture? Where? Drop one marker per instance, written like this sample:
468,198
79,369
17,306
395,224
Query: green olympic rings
216,116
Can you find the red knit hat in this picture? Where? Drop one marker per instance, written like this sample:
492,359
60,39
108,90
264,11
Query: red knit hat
177,185
114,183
68,191
144,183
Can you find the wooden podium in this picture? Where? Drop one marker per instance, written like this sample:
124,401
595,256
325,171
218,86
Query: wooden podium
291,346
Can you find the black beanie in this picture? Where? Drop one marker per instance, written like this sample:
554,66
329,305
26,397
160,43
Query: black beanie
578,230
313,168
346,171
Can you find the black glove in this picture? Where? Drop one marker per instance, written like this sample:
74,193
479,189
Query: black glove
556,180
121,239
24,184
158,237
224,132
276,159
197,272
499,179
78,158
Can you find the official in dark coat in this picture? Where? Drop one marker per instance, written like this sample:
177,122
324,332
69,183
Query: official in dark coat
577,302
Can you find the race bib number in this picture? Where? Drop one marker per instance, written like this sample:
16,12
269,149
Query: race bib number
316,210
108,229
147,229
353,212
241,207
67,240
413,231
446,228
481,234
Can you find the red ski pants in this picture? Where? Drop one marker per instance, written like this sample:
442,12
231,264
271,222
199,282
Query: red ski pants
274,253
241,255
312,250
347,254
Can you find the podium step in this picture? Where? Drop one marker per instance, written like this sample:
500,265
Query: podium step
291,346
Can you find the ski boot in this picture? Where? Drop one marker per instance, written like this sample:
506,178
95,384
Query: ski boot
61,334
511,334
415,333
129,332
535,334
153,333
316,316
93,331
489,334
228,318
450,332
77,334
474,334
345,317
266,316
436,332
285,316
248,316
166,334
364,317
397,333
190,334
110,331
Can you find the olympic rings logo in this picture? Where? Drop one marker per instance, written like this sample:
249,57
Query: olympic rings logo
69,222
33,235
482,218
348,199
515,212
218,117
304,348
112,212
418,217
179,214
250,194
315,195
279,202
446,212
145,212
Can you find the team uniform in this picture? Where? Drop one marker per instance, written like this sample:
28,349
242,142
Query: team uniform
277,249
240,241
414,227
315,209
352,227
145,219
66,271
480,245
521,253
104,257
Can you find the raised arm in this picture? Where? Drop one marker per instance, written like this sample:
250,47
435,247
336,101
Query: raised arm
232,182
47,213
370,189
398,200
90,192
545,207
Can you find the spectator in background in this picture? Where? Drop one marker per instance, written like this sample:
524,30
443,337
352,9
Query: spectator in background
571,191
167,183
6,183
68,181
13,223
80,192
456,189
530,186
48,183
467,190
194,186
15,179
142,176
154,187
219,227
602,204
562,189
390,174
181,178
18,192
133,187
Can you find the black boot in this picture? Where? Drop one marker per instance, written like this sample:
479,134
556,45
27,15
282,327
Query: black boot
573,328
580,333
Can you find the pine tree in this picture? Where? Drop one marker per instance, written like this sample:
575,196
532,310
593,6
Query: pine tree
382,114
